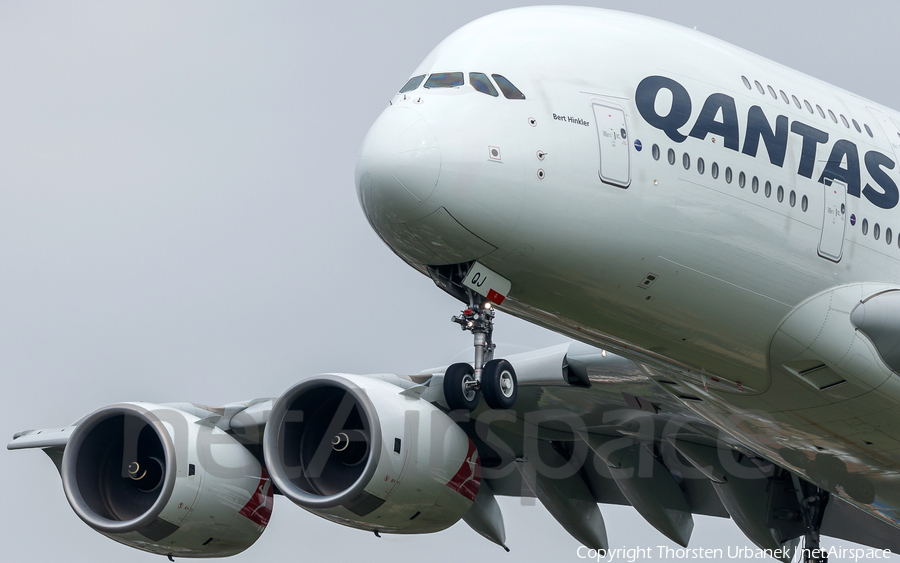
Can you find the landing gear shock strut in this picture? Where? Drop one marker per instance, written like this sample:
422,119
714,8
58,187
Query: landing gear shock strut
812,506
495,379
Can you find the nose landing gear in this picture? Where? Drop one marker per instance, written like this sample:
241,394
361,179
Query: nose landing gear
495,379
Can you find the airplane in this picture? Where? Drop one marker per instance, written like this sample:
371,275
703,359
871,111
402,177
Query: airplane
711,228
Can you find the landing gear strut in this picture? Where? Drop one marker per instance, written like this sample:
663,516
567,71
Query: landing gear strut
495,379
812,503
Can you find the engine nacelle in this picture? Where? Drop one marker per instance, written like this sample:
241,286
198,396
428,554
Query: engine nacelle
153,478
357,451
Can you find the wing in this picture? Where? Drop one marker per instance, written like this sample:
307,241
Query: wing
588,428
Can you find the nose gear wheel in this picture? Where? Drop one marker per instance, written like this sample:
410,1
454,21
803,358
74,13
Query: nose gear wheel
459,387
498,384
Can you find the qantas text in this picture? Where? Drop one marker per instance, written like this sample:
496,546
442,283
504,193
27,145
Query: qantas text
843,162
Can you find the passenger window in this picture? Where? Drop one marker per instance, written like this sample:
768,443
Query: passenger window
876,232
804,203
869,131
686,161
701,166
742,180
754,185
768,188
780,194
856,126
793,198
714,170
746,82
831,115
772,92
844,121
412,83
510,91
888,235
759,87
655,152
671,156
445,80
784,97
482,83
808,106
821,111
728,175
865,226
796,101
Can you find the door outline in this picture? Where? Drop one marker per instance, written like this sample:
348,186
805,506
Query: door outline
613,146
834,220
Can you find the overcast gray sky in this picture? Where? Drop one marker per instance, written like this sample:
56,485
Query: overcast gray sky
178,222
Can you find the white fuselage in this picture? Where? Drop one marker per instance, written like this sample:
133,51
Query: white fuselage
596,209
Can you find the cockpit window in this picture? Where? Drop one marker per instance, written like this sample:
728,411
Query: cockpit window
510,91
482,83
445,80
413,83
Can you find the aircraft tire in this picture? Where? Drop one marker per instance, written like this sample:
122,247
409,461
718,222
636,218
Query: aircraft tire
455,392
499,384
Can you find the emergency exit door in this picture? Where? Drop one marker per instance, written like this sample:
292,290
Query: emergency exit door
612,133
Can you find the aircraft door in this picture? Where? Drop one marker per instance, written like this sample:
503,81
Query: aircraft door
834,222
612,133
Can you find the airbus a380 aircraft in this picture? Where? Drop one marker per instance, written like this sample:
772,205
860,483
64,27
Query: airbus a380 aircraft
724,226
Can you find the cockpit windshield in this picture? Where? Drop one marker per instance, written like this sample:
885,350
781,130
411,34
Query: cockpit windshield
510,91
445,80
478,80
413,83
482,83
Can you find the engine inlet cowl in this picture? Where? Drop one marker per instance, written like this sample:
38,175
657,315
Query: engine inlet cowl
322,442
117,470
356,451
156,478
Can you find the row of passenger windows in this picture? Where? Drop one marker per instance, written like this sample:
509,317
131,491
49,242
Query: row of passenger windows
809,106
478,80
876,230
729,177
767,189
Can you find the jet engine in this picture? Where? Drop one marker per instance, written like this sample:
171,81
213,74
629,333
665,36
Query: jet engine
370,455
164,481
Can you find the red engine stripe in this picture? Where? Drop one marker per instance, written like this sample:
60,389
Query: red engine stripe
468,477
259,508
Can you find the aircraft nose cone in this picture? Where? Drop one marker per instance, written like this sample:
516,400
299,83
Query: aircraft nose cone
398,167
